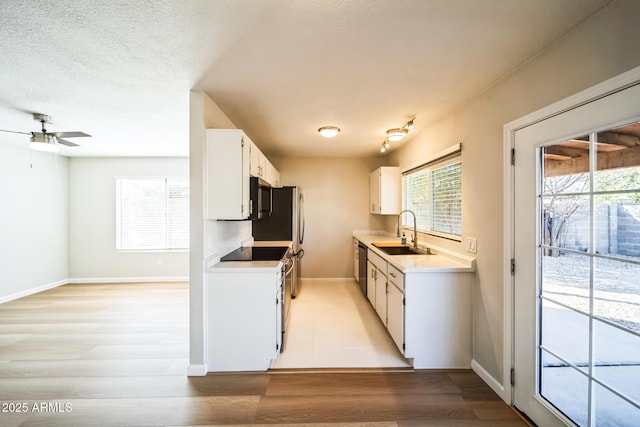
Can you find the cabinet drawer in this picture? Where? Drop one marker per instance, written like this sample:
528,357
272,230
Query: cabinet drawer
396,277
378,261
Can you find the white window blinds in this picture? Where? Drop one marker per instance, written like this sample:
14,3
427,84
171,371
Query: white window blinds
152,213
434,193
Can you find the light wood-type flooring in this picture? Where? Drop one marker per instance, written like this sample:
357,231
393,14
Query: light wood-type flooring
117,354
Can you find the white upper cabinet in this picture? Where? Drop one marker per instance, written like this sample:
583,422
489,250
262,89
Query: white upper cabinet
385,191
261,167
227,174
231,158
258,162
272,175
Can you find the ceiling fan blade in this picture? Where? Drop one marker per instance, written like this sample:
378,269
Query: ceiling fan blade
67,143
69,134
15,131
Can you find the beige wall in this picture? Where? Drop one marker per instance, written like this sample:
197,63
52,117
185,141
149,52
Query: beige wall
92,214
336,194
606,45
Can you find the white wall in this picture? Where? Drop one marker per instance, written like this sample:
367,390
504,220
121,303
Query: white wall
203,114
336,194
604,46
92,237
33,220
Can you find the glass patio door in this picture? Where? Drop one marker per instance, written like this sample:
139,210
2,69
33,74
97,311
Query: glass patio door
577,252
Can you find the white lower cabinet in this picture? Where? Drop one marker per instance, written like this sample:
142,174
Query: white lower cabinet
395,306
428,314
371,283
395,315
438,319
243,311
381,296
378,279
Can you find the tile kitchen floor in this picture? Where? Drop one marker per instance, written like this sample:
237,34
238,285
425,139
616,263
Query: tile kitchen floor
332,325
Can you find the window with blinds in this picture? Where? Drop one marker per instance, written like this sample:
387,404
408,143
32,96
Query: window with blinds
152,213
434,193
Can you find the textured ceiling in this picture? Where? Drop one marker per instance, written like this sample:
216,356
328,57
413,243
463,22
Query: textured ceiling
122,70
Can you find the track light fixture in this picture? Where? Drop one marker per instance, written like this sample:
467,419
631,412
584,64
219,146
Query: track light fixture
396,134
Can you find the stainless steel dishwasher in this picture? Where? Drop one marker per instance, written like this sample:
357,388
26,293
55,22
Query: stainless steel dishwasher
362,268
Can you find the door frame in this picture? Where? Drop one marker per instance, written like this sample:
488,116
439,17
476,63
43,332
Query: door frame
593,93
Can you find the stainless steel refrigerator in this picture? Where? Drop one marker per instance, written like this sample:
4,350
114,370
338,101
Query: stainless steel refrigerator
285,223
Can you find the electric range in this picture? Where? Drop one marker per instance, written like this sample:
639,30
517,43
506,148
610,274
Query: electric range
257,253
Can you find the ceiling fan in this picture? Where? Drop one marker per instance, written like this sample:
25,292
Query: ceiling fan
49,141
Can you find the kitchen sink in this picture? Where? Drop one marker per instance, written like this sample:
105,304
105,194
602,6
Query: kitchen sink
396,249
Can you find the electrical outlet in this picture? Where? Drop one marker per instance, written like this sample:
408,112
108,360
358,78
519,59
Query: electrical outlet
472,245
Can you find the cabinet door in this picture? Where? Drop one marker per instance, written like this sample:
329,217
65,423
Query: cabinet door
258,162
390,190
374,192
381,296
227,175
385,191
371,283
279,315
395,315
272,176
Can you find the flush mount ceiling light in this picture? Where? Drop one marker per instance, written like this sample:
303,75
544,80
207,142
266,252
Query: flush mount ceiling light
329,131
385,145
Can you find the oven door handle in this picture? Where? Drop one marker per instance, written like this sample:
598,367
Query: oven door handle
290,269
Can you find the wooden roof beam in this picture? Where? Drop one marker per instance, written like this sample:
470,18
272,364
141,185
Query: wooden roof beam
616,138
570,152
626,158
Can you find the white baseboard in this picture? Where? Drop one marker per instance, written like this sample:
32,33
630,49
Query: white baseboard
490,380
197,370
32,291
128,279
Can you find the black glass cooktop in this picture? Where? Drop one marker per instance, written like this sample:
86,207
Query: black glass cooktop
256,253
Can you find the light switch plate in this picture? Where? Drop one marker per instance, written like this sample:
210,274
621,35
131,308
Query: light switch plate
472,245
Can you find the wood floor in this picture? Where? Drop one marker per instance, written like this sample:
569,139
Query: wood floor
109,355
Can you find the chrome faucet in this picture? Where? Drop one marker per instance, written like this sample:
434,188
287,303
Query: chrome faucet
415,229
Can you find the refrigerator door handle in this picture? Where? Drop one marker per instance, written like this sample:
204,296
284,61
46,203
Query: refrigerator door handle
301,219
299,254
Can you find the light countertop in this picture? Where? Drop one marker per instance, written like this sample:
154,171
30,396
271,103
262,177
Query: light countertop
439,262
213,263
